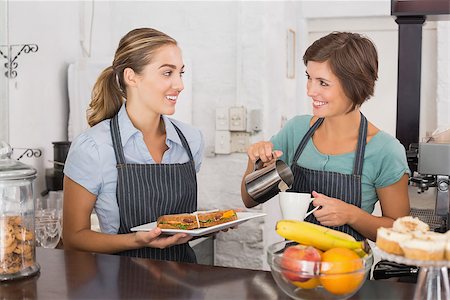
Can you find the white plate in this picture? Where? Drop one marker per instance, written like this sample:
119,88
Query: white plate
242,217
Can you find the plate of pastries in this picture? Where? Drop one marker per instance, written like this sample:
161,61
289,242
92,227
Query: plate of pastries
410,241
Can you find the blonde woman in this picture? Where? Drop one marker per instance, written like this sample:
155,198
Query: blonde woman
134,163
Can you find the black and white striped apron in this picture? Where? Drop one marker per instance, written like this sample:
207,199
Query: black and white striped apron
147,191
346,187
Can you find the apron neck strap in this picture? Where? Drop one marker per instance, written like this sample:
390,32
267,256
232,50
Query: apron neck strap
117,141
360,148
306,138
183,141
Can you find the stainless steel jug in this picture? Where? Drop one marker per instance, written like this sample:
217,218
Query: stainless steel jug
265,182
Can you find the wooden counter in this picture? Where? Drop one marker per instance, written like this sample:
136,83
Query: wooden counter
79,275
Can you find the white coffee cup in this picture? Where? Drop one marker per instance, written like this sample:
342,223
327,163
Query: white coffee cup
294,206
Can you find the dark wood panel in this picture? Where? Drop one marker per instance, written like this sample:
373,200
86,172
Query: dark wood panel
408,80
419,7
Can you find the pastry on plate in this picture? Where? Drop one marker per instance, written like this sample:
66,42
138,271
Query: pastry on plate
408,223
388,240
425,246
447,248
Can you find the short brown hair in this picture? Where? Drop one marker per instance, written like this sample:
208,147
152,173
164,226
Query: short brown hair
352,58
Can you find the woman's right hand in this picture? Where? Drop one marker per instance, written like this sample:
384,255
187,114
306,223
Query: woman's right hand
264,151
261,150
153,239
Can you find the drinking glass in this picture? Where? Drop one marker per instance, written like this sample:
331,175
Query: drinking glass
48,225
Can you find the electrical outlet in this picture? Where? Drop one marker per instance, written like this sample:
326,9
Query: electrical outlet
223,142
238,118
240,141
222,118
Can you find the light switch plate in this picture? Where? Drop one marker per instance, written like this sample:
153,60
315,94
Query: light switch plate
238,118
223,142
222,118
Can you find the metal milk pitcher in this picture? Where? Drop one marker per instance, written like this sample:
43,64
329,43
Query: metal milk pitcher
265,182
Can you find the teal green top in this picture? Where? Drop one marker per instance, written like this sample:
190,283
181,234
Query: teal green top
384,159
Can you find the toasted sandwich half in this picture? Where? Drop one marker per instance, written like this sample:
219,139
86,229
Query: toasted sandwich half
178,221
215,218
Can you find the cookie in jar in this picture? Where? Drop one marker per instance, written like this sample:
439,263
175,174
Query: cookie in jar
16,245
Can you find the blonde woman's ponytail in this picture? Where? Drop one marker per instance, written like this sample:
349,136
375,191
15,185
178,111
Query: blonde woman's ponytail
107,98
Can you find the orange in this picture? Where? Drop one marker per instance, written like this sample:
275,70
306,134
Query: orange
342,271
308,284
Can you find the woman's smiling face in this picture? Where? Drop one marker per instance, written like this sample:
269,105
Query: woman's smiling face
325,90
160,82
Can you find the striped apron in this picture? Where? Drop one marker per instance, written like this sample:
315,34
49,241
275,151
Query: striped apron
147,191
346,187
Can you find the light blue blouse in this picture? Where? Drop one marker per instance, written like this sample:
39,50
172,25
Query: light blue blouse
384,159
91,161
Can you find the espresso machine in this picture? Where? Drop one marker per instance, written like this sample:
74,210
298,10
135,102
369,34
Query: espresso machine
434,167
432,161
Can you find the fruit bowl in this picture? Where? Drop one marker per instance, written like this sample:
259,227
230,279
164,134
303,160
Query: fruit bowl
300,272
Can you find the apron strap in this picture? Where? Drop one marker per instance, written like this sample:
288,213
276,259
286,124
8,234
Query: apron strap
117,141
306,138
361,147
184,141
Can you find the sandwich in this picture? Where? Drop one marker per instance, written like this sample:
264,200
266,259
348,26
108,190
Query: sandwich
216,218
196,220
180,221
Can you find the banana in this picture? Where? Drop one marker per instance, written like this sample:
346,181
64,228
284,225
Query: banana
320,237
361,253
337,233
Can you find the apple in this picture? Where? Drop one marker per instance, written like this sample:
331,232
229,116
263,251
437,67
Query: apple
299,263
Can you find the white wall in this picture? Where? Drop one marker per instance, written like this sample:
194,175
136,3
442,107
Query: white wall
443,76
345,8
38,95
4,106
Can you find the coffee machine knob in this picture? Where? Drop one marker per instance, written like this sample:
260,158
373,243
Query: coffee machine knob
442,185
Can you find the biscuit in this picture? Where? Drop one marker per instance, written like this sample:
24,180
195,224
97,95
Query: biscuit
16,245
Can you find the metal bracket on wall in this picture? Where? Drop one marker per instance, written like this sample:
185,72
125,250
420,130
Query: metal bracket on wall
11,64
29,152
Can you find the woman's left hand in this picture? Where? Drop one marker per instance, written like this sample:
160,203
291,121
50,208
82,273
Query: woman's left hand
333,212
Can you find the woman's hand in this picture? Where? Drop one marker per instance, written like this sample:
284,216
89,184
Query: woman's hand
154,240
261,150
264,151
333,212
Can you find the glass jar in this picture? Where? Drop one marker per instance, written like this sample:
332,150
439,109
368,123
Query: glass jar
17,242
